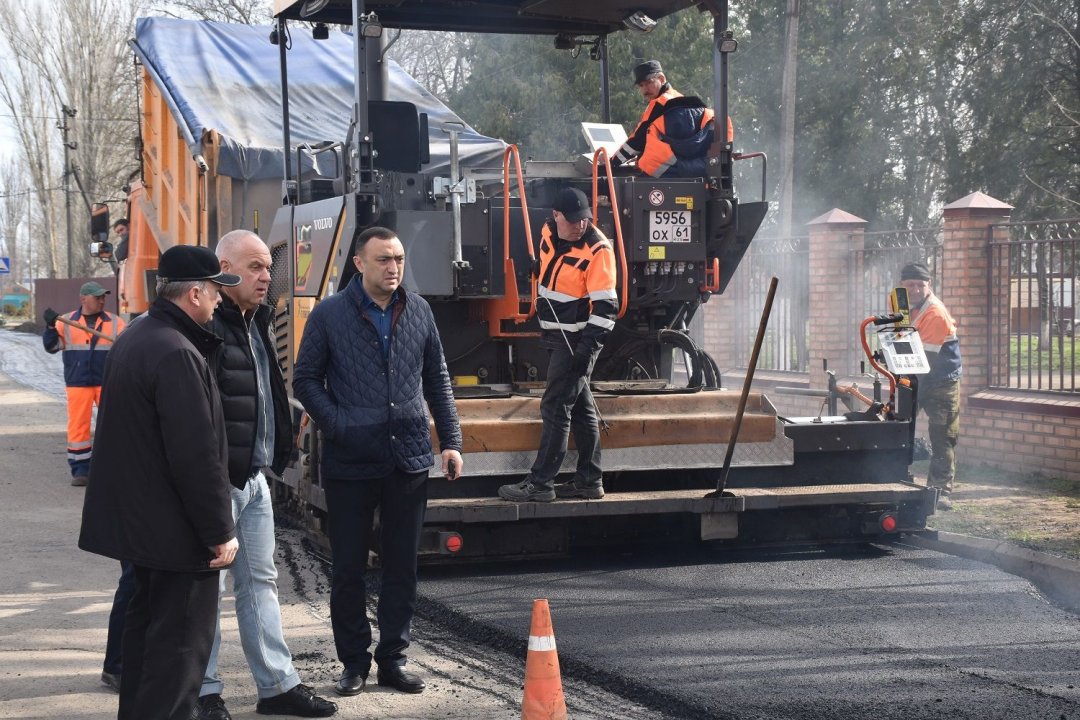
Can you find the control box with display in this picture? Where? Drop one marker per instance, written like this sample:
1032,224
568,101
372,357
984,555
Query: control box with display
903,351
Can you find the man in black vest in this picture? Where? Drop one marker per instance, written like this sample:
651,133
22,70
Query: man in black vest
259,429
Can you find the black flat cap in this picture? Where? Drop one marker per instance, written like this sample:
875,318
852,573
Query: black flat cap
645,69
186,263
573,204
915,271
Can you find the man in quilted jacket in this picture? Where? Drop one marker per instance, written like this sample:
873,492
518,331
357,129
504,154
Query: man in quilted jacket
370,360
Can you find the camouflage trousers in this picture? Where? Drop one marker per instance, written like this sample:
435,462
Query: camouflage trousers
942,407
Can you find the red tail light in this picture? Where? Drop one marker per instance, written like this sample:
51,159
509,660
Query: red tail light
450,542
888,522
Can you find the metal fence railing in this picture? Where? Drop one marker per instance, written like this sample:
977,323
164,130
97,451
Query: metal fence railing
881,258
1032,321
785,347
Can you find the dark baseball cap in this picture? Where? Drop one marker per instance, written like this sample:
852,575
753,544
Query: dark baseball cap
572,203
187,263
645,69
92,288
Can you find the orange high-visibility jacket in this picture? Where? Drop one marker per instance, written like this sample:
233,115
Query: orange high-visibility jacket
678,141
84,353
635,144
937,330
576,295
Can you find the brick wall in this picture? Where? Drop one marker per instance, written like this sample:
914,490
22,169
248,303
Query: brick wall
1016,431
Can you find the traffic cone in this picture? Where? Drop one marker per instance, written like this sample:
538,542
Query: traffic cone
543,699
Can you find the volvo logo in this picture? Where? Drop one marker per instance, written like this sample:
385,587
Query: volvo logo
324,223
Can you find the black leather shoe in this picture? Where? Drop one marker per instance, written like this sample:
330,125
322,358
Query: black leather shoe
111,680
300,701
211,707
396,677
350,683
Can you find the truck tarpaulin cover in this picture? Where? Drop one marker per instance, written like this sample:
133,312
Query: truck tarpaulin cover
226,78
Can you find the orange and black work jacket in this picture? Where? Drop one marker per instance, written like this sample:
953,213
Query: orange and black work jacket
937,330
576,295
84,353
678,140
657,108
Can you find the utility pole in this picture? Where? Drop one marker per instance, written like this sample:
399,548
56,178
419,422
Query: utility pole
787,118
62,124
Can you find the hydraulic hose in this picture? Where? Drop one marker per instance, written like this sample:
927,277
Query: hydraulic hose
685,343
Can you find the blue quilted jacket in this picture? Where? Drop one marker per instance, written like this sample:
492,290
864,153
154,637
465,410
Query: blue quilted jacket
372,410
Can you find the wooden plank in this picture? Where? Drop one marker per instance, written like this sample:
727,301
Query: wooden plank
513,424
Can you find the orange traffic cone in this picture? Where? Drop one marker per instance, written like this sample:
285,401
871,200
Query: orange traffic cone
543,698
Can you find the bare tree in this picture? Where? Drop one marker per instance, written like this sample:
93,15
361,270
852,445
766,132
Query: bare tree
247,12
79,60
13,203
438,60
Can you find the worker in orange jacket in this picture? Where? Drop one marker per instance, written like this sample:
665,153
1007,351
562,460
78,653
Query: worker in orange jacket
939,390
576,305
675,131
84,364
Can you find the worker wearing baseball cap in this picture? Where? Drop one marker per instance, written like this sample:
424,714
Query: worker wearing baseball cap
84,355
576,305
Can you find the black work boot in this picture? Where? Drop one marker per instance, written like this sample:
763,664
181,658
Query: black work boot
573,489
526,491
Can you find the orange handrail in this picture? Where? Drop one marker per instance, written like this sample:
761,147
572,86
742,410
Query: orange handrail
508,307
602,153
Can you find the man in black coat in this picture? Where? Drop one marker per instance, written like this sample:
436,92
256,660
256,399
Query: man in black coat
258,425
159,496
370,360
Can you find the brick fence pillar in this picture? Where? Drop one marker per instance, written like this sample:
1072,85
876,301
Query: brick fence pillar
833,237
964,282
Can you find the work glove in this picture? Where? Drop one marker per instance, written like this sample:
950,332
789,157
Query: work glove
50,317
579,365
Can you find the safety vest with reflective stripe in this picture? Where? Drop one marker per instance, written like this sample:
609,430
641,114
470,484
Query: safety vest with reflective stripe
576,293
84,353
937,330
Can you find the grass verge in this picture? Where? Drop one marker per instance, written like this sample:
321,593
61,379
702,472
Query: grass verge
1032,510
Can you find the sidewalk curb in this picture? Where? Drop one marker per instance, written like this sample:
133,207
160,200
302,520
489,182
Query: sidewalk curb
1058,578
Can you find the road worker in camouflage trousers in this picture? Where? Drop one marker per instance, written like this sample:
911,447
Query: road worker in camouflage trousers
939,390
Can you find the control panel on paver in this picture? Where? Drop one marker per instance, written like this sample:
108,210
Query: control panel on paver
903,351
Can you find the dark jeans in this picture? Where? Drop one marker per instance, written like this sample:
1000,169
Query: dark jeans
401,499
125,588
168,634
942,407
567,407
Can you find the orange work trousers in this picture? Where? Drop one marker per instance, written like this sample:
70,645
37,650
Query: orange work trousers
80,410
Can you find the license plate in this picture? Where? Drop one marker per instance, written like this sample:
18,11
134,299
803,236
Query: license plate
669,226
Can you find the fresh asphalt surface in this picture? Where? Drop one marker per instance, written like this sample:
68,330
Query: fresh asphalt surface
855,632
852,632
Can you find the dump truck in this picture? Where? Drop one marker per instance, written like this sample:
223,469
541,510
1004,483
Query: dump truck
356,143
